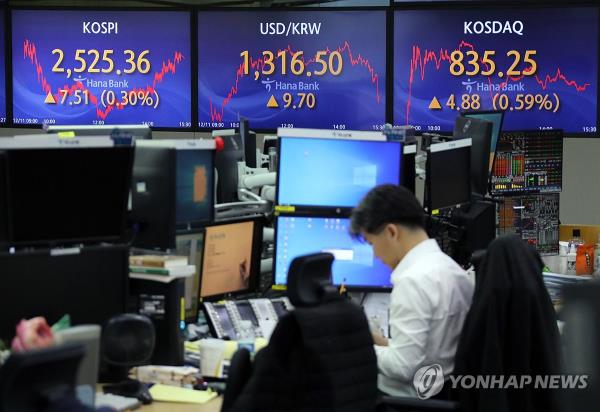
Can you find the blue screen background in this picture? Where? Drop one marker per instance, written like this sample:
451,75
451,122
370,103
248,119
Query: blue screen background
44,31
298,236
566,40
2,72
188,210
355,98
329,172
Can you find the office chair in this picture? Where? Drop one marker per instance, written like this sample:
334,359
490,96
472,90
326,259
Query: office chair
36,380
509,330
320,356
127,341
581,314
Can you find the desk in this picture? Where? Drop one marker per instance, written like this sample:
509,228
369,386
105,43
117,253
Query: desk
212,406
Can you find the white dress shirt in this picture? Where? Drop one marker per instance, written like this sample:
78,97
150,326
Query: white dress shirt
430,299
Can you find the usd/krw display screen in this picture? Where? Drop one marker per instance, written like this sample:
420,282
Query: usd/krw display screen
101,67
539,65
292,69
355,265
334,173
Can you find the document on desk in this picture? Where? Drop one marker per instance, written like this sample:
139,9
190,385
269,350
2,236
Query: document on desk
376,307
166,393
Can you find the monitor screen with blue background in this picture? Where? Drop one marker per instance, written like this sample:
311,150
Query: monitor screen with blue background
2,72
334,173
355,265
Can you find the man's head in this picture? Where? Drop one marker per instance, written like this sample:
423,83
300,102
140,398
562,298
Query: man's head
390,219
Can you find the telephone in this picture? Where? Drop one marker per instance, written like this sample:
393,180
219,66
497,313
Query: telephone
245,319
219,321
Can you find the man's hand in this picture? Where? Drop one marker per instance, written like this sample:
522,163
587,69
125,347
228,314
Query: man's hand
379,340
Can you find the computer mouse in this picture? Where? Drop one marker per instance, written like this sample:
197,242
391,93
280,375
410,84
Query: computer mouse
144,396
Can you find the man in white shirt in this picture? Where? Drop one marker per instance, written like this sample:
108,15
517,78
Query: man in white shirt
431,293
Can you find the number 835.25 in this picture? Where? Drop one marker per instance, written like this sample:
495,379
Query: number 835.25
472,64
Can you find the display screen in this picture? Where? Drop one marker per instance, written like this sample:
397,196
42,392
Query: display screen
496,119
225,321
535,218
448,174
539,65
2,73
246,312
355,265
101,67
73,184
351,168
292,69
227,261
529,161
194,179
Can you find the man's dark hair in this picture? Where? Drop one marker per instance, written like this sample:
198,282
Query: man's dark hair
386,204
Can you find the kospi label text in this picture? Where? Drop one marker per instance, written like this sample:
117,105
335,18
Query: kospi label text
100,27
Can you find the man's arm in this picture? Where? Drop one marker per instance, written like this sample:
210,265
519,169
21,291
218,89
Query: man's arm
411,311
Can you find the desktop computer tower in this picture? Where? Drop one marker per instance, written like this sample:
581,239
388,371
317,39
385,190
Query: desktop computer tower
162,300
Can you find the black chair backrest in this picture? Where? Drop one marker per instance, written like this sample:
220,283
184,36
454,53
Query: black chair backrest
309,279
240,370
128,340
320,356
31,381
510,329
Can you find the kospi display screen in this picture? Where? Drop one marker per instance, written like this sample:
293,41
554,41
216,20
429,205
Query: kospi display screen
539,65
318,69
2,73
101,67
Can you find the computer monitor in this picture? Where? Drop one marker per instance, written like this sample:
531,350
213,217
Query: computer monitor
448,174
355,265
496,117
270,141
480,133
139,131
528,162
249,139
55,192
534,217
226,163
315,172
231,258
90,284
409,172
172,190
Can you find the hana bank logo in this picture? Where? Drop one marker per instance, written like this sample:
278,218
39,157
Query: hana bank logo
428,381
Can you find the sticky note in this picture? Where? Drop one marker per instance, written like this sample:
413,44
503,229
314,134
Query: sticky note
166,393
